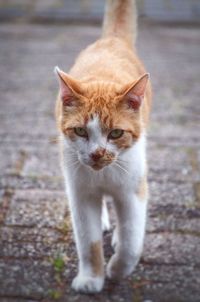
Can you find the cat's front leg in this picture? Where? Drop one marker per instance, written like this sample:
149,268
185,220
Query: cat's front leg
86,218
129,233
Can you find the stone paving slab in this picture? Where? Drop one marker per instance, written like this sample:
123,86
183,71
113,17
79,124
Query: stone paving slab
170,224
12,182
31,243
31,160
26,278
35,229
36,208
162,249
169,283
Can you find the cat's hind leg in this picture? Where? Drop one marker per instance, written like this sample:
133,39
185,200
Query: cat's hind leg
129,233
105,219
114,240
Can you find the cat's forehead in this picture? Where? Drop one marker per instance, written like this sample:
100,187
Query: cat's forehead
93,122
94,126
102,116
99,105
101,90
102,119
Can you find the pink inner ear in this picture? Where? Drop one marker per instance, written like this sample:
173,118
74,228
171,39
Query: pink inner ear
135,95
67,101
134,101
65,93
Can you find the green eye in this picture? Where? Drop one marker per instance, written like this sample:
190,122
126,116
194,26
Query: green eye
116,133
80,132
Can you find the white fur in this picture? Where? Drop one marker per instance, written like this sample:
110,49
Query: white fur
87,284
105,221
85,189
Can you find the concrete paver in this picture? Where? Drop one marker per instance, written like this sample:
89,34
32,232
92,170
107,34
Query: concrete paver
35,231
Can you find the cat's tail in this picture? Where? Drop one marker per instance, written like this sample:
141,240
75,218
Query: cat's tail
120,20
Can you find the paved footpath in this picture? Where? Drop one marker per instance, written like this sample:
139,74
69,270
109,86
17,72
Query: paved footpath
37,254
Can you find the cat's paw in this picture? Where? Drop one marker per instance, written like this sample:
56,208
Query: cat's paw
87,284
119,268
114,268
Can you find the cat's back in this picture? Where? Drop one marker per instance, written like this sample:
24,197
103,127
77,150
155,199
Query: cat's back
108,59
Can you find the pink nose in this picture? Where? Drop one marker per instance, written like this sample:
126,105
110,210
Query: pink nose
97,155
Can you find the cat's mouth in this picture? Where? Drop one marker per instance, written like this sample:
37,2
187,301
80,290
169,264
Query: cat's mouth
98,166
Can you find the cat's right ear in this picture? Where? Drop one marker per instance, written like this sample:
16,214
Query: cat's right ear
134,94
69,88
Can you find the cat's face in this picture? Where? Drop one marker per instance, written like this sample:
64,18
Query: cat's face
95,144
99,121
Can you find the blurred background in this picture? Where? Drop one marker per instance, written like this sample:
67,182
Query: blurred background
37,254
92,10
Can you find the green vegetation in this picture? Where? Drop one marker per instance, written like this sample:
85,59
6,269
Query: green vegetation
59,264
54,294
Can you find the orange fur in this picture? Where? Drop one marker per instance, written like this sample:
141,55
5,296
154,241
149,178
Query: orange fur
103,105
96,258
120,20
102,157
143,188
99,79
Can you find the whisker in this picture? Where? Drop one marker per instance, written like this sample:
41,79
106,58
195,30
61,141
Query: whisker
69,150
122,168
68,162
123,161
73,164
77,168
72,155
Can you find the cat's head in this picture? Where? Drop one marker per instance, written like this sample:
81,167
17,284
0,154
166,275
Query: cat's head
99,120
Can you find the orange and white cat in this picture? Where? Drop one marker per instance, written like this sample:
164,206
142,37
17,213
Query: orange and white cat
102,114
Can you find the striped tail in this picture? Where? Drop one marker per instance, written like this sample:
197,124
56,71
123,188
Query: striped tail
120,20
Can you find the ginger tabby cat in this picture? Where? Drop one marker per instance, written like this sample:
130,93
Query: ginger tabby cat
102,114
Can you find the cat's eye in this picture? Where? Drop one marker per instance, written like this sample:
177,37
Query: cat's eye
116,133
80,132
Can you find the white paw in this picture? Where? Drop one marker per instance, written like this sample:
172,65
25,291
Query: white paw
86,284
114,268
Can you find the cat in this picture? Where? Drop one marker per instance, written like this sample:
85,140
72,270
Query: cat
102,113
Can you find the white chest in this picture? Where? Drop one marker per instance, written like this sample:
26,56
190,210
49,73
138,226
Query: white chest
125,173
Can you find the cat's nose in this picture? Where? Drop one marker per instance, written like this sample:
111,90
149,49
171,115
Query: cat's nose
97,155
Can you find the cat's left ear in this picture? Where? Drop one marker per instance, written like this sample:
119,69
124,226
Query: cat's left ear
134,95
69,88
